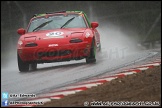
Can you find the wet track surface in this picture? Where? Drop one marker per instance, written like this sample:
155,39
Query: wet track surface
55,75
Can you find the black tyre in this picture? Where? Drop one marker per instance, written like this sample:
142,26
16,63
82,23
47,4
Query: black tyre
23,67
100,47
92,56
33,66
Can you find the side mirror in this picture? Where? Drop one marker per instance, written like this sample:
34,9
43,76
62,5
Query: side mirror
94,25
21,31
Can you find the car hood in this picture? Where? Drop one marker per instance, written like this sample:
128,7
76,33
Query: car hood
49,38
57,33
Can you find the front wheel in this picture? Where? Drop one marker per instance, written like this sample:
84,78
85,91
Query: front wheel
92,57
33,66
23,66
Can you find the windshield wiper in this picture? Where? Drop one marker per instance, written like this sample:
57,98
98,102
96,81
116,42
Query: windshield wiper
42,25
67,22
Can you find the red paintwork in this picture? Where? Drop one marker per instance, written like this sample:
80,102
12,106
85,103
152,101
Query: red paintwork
94,25
29,54
21,31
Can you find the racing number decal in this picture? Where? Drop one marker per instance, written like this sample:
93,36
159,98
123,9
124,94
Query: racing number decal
53,34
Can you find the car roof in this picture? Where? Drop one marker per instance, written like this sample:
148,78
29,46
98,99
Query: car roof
60,12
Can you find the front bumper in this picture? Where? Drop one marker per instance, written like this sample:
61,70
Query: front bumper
57,53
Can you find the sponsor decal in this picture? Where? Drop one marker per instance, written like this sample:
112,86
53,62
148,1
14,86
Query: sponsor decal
52,45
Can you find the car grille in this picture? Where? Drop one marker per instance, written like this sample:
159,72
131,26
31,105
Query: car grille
54,53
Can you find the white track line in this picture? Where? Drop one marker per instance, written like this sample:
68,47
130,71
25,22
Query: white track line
126,73
143,68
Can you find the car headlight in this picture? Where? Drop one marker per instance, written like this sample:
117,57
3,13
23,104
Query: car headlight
20,43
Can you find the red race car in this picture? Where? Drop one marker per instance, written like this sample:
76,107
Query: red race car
55,37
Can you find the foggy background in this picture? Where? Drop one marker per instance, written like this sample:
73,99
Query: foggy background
121,23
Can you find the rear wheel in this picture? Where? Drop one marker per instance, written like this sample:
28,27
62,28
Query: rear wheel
92,56
23,66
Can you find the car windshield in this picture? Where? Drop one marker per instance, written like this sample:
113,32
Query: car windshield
58,21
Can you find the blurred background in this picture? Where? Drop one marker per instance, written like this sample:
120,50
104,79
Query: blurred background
138,20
